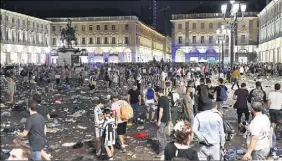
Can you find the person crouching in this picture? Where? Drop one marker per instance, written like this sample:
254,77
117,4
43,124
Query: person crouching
109,133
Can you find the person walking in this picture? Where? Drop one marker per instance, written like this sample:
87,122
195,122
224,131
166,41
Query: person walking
163,118
35,129
236,75
241,104
208,127
259,135
134,98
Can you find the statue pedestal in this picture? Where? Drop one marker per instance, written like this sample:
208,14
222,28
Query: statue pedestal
68,56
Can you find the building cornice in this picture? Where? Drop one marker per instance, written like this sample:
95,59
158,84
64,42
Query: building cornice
23,15
271,4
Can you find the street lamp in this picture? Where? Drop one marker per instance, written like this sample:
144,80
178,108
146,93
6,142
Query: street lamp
221,37
235,16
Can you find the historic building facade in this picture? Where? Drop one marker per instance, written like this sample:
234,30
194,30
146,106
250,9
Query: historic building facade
194,37
113,39
270,39
24,39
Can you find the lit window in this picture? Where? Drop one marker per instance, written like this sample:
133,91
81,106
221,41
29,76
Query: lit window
53,28
194,39
126,40
98,40
105,40
83,41
210,25
90,40
202,25
210,39
126,27
243,39
202,39
113,40
194,26
54,41
180,40
179,26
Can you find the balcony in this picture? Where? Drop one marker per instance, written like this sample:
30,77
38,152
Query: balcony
21,42
207,15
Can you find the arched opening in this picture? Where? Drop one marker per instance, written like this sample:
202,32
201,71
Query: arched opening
180,56
193,55
53,57
211,54
114,56
14,57
127,55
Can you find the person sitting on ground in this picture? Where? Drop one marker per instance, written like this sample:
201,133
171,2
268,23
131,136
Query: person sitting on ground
180,148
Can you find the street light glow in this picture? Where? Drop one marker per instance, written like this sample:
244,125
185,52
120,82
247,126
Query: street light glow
235,8
223,8
218,31
243,7
222,27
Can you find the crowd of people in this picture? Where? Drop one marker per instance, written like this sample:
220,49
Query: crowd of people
184,101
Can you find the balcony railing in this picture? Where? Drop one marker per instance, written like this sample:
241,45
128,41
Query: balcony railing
207,15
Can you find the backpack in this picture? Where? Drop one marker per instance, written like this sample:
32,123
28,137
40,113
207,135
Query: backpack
204,96
126,111
223,93
150,94
257,95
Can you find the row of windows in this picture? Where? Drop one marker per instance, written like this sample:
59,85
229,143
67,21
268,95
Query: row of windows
15,37
17,21
202,40
211,26
90,27
98,40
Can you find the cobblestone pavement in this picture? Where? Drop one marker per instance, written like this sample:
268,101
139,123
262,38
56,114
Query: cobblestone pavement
71,126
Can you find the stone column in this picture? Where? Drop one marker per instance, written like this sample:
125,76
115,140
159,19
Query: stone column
173,54
133,57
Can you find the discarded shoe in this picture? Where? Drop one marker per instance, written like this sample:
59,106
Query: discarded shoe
77,145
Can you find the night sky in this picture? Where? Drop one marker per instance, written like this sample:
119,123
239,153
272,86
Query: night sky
45,9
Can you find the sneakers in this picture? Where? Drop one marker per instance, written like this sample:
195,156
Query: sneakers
123,150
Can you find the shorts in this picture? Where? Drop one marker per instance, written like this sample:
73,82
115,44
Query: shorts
107,142
275,115
121,128
98,132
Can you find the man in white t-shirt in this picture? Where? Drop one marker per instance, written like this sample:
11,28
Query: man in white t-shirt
149,99
275,104
259,135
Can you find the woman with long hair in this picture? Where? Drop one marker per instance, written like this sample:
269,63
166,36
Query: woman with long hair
180,149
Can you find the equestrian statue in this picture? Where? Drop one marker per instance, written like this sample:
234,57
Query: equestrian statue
68,35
